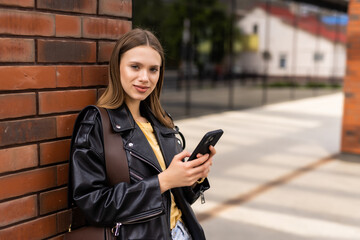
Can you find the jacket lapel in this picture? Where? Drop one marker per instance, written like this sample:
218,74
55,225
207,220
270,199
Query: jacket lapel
134,140
166,141
139,145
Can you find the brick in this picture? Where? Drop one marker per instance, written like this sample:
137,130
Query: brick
351,87
103,28
30,130
68,76
353,8
54,200
81,6
104,51
26,23
18,184
12,159
63,101
40,228
353,28
352,150
94,75
63,220
353,48
19,3
351,119
25,105
352,103
58,51
100,92
68,26
54,152
353,36
352,68
18,210
354,55
65,125
350,139
17,50
116,8
27,77
61,237
62,174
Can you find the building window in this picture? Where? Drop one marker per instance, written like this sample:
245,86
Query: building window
318,57
282,61
255,28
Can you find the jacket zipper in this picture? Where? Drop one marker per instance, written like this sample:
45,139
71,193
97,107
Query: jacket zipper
144,160
116,229
202,196
154,166
134,175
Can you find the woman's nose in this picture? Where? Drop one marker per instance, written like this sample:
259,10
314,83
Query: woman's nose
144,75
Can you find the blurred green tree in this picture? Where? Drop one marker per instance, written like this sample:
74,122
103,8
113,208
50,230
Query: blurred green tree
209,28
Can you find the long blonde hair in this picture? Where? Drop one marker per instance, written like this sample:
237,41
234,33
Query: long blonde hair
114,95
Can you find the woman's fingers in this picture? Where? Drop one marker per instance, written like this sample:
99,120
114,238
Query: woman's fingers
212,151
203,169
181,173
182,155
201,159
198,161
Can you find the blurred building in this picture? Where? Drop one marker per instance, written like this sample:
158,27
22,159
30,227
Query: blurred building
283,40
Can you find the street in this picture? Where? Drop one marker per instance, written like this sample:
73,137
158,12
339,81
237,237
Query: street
278,175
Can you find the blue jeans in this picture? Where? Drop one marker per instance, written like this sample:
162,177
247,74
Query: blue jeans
180,232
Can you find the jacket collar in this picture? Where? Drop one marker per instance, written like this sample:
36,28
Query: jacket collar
122,120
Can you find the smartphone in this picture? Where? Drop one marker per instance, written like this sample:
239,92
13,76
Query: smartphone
210,138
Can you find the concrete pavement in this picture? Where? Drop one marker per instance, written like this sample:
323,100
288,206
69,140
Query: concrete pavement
277,174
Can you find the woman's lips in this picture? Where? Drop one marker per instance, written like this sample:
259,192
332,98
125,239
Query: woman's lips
141,89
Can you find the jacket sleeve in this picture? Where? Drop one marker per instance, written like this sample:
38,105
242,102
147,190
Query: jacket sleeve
193,193
102,204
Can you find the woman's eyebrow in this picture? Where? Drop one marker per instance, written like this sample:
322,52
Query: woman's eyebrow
139,63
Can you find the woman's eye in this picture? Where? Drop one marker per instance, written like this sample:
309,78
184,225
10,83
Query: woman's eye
136,67
154,69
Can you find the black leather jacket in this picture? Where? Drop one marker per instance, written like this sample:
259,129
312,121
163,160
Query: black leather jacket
139,209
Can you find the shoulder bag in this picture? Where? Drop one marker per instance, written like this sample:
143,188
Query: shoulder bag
117,170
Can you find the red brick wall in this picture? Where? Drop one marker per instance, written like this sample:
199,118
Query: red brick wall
351,118
53,62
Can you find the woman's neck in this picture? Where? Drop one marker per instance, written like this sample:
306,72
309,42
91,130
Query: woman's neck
134,107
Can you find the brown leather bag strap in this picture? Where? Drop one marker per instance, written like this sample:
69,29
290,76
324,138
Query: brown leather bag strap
117,168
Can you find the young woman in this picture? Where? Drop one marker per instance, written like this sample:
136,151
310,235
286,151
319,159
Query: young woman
156,203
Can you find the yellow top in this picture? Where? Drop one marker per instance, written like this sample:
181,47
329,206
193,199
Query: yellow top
146,128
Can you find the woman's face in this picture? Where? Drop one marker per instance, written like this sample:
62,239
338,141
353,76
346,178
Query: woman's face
139,72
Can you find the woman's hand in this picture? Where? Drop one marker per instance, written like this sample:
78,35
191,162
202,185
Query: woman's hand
180,174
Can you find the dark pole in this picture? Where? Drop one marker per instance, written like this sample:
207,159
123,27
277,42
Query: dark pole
294,54
231,51
267,53
317,54
335,57
188,70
